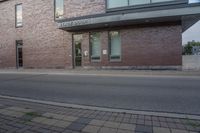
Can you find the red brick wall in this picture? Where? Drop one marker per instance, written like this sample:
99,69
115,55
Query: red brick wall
144,46
154,46
8,34
45,46
77,8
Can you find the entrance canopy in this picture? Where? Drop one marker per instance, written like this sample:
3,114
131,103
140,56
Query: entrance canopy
132,17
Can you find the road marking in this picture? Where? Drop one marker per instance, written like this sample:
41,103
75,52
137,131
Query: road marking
161,114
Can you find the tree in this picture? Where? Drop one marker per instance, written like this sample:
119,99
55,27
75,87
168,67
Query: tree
187,49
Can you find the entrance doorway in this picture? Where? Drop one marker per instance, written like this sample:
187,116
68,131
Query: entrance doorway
77,42
19,54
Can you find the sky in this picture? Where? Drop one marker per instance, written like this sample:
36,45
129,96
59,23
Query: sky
193,33
194,1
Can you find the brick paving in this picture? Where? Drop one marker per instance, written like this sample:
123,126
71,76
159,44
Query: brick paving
27,117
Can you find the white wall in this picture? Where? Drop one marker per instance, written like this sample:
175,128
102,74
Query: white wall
191,62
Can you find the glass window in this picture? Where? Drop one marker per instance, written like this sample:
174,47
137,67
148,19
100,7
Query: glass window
59,9
95,42
117,3
155,1
124,3
18,15
139,2
115,45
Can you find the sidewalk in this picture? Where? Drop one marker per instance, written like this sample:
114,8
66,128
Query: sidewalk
97,72
18,116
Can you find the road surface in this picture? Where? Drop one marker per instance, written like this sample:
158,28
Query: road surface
149,93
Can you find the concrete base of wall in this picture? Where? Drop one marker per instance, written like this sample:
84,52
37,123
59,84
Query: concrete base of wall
136,67
106,68
191,62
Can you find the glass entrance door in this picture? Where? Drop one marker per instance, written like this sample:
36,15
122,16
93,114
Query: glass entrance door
77,41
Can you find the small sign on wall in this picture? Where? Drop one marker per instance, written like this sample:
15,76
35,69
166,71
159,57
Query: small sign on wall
86,53
105,52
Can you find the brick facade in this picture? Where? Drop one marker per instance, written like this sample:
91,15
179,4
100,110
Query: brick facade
41,38
46,46
75,8
142,46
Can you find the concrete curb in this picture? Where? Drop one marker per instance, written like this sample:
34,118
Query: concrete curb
100,74
161,114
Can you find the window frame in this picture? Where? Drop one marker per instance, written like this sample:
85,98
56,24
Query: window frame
90,48
142,6
55,10
18,44
109,47
16,26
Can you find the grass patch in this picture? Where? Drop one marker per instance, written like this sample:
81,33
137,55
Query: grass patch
193,124
50,117
33,114
26,121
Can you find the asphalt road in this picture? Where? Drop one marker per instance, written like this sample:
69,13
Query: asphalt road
168,94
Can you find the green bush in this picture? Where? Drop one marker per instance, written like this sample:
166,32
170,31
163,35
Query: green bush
187,48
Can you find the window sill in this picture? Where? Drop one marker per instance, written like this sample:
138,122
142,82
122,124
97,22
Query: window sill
115,60
57,19
95,61
18,26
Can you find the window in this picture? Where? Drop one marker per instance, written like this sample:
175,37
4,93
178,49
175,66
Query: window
19,53
95,43
18,12
124,3
115,45
139,2
155,1
117,3
59,9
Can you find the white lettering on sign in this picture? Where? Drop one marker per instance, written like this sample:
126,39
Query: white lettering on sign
74,23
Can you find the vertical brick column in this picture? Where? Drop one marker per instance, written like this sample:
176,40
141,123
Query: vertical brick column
85,47
104,47
68,49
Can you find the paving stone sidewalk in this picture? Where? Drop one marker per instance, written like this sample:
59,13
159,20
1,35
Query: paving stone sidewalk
26,117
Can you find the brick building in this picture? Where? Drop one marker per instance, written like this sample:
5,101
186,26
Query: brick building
125,34
196,50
